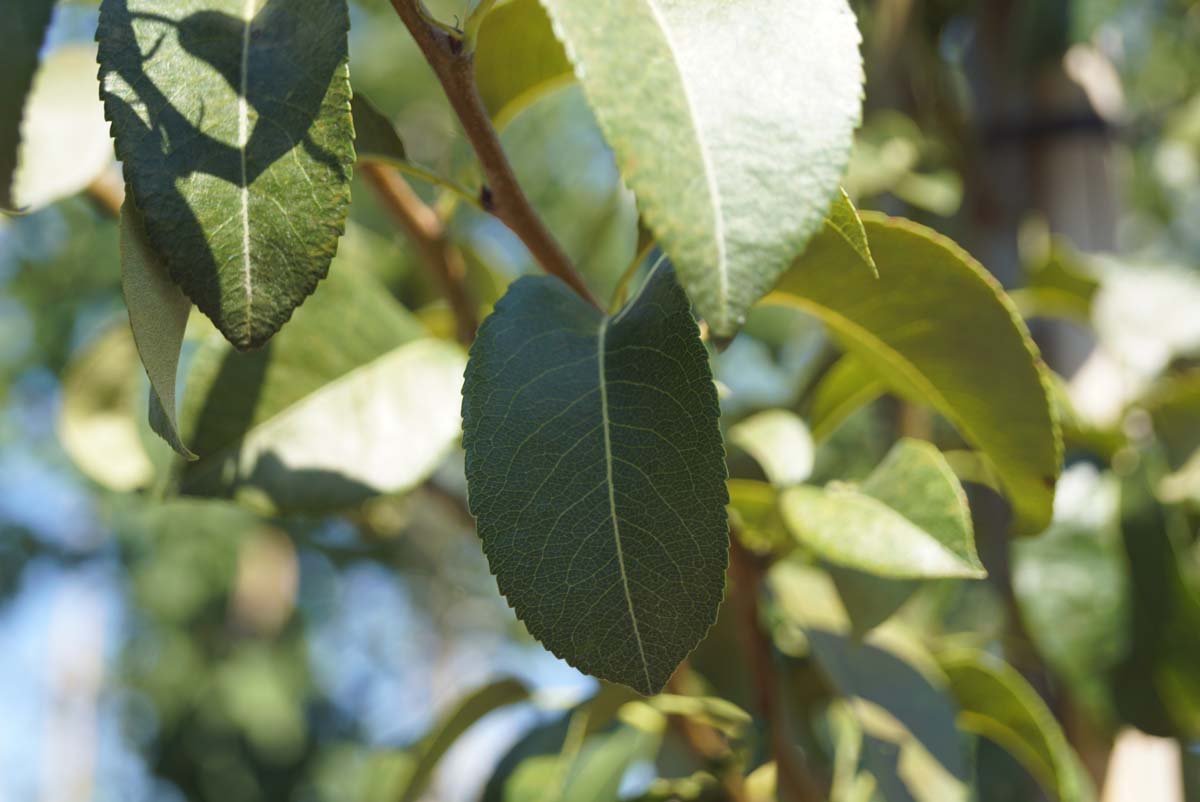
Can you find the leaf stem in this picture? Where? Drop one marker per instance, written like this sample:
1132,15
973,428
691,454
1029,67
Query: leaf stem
430,177
622,289
454,67
427,233
747,572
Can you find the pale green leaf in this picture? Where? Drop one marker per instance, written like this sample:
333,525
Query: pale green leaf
936,326
731,122
996,702
64,139
517,59
780,443
712,711
754,517
316,422
847,387
592,774
232,119
597,476
908,520
158,315
375,138
843,219
25,25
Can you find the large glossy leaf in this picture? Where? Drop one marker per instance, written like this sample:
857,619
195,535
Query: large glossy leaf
315,421
232,118
158,315
731,122
517,59
936,326
908,520
25,25
996,702
597,476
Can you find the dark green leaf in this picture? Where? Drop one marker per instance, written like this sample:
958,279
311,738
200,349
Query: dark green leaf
517,59
375,137
597,475
935,325
24,28
232,118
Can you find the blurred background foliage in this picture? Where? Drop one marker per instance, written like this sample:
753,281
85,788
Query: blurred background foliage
165,647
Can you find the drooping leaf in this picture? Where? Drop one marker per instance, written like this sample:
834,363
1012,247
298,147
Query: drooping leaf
996,702
597,475
734,148
780,443
158,315
848,387
517,59
25,27
64,138
936,326
375,138
908,520
466,713
315,422
232,118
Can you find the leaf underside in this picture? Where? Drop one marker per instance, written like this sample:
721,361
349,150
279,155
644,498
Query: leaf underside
596,472
232,118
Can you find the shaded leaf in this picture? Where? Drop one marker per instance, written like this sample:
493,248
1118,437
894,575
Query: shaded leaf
996,702
158,315
375,138
754,517
780,443
733,148
316,422
517,59
233,123
846,388
870,600
597,475
25,27
908,520
936,326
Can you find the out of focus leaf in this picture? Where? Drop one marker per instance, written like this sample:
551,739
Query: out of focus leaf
780,443
754,517
518,59
869,599
732,181
908,520
375,138
719,714
25,25
935,325
846,388
996,702
314,422
1174,408
1145,315
158,315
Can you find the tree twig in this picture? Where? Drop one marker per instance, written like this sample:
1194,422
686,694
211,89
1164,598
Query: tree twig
746,570
454,67
428,234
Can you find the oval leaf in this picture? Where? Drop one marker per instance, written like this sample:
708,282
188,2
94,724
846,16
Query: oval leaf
596,473
232,118
909,519
25,27
733,146
779,442
938,327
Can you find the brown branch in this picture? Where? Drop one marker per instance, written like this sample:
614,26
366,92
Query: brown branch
107,191
454,66
746,570
427,233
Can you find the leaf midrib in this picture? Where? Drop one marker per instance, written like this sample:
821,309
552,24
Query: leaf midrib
243,140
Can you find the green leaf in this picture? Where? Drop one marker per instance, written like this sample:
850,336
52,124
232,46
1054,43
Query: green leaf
232,118
936,326
780,443
754,517
996,702
375,137
870,600
466,713
158,315
908,520
731,122
597,476
843,219
712,711
64,138
25,27
517,59
316,422
849,386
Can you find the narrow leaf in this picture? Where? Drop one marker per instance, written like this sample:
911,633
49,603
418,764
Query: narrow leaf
517,59
780,443
844,220
936,326
25,25
232,118
375,138
731,122
909,519
158,315
597,476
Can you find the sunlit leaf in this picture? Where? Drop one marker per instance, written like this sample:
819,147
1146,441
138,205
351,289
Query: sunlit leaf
846,388
517,59
936,326
233,123
844,220
780,443
597,476
734,148
25,27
